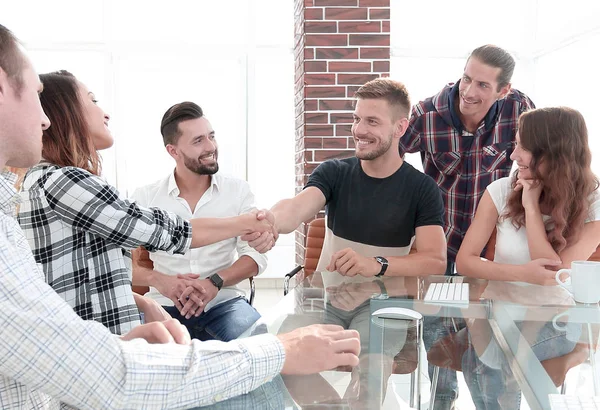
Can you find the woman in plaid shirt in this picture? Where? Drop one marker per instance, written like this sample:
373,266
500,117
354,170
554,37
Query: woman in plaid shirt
78,227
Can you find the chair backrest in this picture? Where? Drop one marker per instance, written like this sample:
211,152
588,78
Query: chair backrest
141,257
491,249
314,245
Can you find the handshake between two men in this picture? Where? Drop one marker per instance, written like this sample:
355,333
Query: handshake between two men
346,262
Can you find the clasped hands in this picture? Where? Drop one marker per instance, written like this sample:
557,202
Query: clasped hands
188,292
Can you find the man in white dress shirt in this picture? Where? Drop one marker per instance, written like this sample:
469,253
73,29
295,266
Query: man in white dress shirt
195,189
49,355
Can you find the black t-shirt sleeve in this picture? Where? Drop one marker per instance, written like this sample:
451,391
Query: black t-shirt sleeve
430,208
324,177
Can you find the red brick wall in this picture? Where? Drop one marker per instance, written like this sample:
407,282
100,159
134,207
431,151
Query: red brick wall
339,45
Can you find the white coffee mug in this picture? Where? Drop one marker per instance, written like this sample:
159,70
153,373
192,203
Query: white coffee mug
583,281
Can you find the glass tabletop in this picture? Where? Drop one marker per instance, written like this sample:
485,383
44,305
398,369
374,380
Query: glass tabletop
511,343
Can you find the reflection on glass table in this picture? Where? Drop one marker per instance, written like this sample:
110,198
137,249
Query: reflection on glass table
510,341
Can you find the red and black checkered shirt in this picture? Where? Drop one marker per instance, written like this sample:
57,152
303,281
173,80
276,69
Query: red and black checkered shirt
463,164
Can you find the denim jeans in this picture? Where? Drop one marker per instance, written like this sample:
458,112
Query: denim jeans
225,322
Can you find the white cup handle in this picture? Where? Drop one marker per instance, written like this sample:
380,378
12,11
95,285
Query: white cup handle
567,283
556,325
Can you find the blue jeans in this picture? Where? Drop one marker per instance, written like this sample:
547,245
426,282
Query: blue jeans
225,322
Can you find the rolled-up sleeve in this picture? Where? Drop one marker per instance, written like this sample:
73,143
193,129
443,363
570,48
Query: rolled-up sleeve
88,203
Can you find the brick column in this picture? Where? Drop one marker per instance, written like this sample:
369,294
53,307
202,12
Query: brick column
339,45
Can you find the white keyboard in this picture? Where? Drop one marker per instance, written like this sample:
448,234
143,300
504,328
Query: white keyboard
564,402
448,293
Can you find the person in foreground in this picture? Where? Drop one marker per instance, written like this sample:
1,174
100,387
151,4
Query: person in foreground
48,354
547,214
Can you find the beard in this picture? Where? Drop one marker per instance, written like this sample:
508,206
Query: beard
195,165
384,146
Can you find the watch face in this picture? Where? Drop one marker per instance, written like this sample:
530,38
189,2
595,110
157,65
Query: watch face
216,280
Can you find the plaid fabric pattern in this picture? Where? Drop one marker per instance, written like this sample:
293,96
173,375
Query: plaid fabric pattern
463,164
50,358
81,232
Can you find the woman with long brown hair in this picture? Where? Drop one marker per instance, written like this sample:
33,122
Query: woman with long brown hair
78,227
547,214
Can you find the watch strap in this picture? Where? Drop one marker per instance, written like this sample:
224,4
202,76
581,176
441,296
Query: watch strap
384,265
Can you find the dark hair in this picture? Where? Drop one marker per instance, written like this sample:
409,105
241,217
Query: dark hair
169,126
496,57
12,60
68,142
394,92
557,137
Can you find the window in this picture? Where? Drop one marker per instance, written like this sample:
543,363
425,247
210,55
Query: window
139,58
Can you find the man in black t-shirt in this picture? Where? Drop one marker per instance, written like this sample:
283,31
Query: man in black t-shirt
377,205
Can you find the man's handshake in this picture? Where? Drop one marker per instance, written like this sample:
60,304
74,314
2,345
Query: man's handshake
263,240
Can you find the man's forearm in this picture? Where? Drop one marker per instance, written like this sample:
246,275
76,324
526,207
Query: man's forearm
287,219
245,267
417,264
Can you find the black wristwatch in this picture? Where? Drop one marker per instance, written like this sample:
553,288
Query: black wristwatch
216,280
384,265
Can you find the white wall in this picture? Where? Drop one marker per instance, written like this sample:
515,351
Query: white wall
233,58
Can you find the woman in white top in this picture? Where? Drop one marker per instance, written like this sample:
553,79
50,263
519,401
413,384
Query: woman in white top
546,216
547,213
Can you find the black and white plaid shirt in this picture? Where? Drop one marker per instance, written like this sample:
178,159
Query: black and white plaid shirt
81,232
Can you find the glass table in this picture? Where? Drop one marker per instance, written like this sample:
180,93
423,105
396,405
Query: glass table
511,342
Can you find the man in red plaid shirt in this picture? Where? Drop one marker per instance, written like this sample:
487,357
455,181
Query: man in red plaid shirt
465,135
